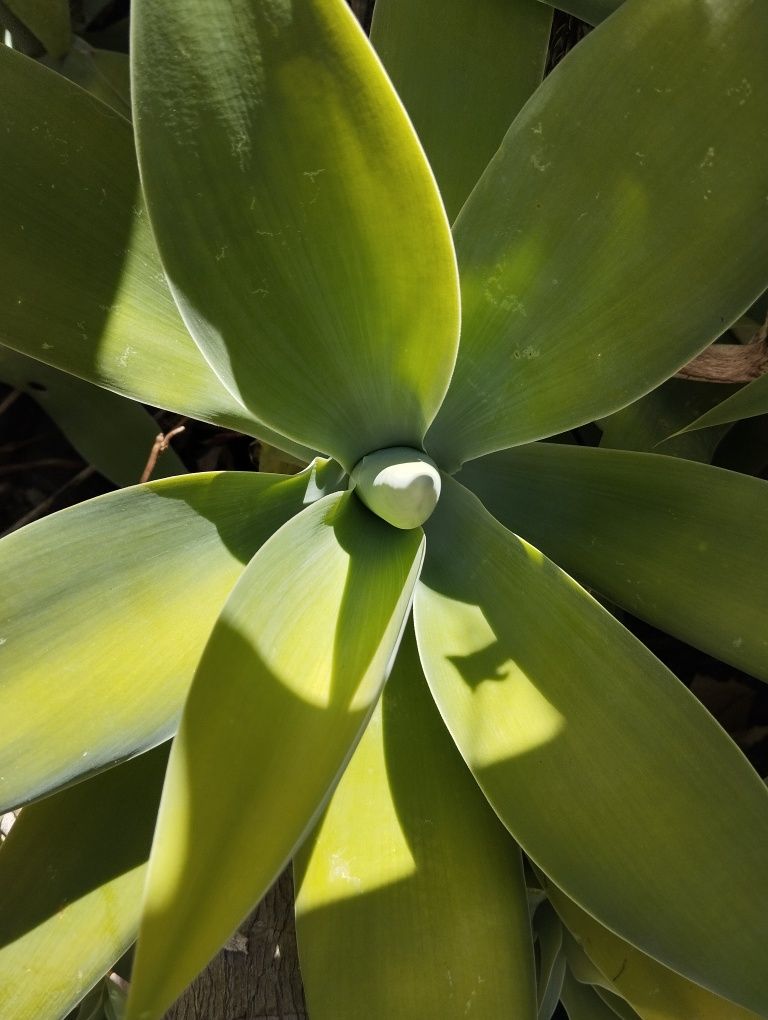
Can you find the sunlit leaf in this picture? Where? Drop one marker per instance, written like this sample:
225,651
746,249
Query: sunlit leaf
81,286
463,70
299,225
411,898
679,544
591,251
105,609
286,685
601,763
113,434
71,875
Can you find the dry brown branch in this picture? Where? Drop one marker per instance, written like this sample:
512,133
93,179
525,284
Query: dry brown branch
161,443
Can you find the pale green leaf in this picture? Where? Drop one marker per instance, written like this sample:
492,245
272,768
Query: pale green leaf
411,897
105,609
113,434
81,286
297,219
654,991
48,20
591,250
679,544
748,402
604,767
71,876
288,680
463,70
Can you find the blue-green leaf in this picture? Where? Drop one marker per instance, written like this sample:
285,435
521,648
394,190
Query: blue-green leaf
601,763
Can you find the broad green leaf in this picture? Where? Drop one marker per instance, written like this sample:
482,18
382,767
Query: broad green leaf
679,544
288,680
71,876
582,1002
591,11
654,991
601,763
105,609
591,250
48,20
104,74
645,425
411,897
297,219
463,70
747,402
551,961
110,432
81,286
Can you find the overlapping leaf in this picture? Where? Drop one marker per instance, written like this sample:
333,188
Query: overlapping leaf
297,219
71,875
656,535
591,250
288,680
81,286
48,20
552,704
592,11
748,402
647,424
655,992
411,898
105,609
463,70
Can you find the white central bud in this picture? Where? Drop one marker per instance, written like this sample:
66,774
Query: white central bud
400,485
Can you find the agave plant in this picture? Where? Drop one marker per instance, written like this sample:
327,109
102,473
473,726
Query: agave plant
306,287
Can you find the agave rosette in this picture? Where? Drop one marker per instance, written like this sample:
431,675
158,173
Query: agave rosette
307,287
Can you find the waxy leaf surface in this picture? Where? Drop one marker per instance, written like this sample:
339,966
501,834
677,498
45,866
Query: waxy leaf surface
463,70
298,221
679,544
601,763
591,250
289,678
411,898
81,286
105,609
71,876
